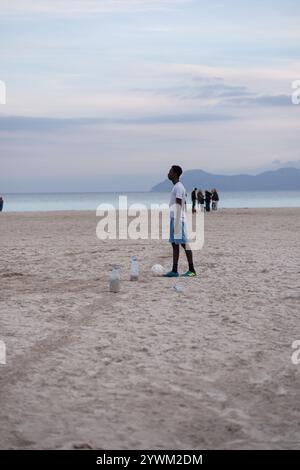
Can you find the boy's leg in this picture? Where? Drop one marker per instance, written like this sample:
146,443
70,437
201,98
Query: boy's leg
174,272
175,257
189,257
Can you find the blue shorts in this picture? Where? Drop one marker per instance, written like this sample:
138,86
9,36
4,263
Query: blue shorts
183,236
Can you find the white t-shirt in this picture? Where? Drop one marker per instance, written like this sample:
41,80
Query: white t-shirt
178,192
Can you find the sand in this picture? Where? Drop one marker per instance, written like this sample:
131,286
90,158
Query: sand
209,368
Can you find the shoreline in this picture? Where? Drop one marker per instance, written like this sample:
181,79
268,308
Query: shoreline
89,212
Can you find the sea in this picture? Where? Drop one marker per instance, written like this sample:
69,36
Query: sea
90,201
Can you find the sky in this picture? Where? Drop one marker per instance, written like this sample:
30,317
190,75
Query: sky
105,95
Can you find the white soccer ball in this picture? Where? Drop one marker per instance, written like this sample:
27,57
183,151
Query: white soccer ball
157,270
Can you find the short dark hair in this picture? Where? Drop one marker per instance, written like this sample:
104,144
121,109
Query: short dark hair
178,170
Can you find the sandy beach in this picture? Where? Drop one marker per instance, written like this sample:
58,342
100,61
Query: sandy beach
209,368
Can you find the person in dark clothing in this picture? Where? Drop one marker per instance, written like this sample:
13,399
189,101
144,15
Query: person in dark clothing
207,200
215,199
1,203
194,199
200,199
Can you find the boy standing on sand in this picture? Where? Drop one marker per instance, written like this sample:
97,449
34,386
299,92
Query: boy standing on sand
178,229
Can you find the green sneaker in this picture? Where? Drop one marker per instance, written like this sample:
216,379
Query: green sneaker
189,274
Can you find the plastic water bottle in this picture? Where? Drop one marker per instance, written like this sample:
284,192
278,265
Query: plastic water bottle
115,279
134,272
179,288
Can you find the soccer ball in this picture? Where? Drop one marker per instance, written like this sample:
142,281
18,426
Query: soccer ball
157,270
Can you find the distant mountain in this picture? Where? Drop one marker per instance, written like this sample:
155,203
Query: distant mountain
282,179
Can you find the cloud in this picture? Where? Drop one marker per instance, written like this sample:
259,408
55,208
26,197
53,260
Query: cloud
216,88
214,92
156,29
290,163
13,124
85,7
40,124
204,87
284,70
180,118
274,100
263,100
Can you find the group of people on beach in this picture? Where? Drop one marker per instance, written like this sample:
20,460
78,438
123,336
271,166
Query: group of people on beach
207,200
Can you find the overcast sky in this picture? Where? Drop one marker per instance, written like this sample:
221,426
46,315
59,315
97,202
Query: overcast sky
104,95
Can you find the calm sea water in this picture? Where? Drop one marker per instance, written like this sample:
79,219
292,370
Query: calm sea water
90,201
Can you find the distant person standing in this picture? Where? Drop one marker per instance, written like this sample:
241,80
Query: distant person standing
200,200
215,199
207,200
1,203
194,199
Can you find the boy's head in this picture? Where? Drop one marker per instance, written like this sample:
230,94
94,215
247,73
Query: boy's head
175,173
